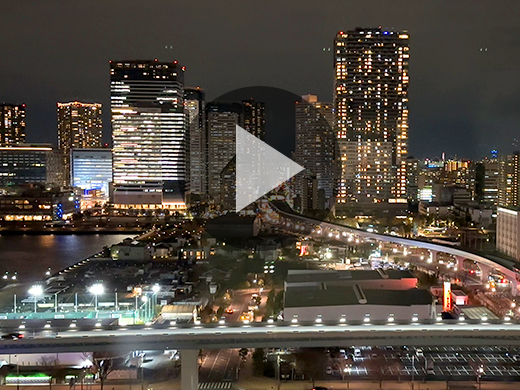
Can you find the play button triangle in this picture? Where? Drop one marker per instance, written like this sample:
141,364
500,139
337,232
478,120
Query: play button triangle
259,168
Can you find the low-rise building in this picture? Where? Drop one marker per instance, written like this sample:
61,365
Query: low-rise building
354,303
369,279
178,313
234,226
163,251
268,251
194,253
508,231
438,210
480,214
38,204
131,250
459,297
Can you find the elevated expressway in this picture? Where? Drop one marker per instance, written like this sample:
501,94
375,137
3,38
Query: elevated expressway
291,221
265,335
189,338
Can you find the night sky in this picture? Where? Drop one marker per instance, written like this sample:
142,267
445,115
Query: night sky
463,100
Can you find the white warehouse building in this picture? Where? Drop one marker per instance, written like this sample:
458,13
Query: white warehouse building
354,303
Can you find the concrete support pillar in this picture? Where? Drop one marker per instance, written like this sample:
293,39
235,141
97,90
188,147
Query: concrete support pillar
434,256
190,369
514,287
460,262
485,271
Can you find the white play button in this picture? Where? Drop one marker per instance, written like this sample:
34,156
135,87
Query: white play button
259,168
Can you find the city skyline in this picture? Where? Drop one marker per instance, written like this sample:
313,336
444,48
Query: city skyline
207,195
444,99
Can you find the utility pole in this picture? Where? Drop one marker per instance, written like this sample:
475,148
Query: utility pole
413,369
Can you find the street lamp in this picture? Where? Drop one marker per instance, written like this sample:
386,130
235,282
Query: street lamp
96,289
155,288
480,372
36,291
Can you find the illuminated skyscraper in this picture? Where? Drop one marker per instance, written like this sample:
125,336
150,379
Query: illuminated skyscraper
195,108
509,180
80,125
371,113
412,181
12,124
315,145
222,119
149,133
491,180
254,118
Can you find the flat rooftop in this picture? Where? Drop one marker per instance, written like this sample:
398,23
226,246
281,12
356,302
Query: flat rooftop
347,296
477,312
302,276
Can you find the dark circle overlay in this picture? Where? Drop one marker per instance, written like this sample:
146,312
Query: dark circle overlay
280,133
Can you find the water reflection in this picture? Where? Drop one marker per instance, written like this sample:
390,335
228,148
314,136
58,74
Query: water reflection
32,255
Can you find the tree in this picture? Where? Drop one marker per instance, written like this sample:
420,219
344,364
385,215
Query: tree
4,370
313,362
103,363
258,361
278,302
243,352
270,304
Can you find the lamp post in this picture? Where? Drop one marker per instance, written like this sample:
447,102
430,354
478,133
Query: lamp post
480,372
413,369
155,288
96,289
36,291
17,373
144,307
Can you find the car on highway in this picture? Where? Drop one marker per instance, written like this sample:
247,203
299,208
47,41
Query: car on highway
328,370
229,311
11,336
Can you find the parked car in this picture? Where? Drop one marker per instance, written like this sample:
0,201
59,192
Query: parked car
12,336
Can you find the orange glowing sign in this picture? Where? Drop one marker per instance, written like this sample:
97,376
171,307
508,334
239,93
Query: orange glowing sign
447,302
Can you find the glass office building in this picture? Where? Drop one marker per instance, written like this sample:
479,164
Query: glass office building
91,171
149,133
31,164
